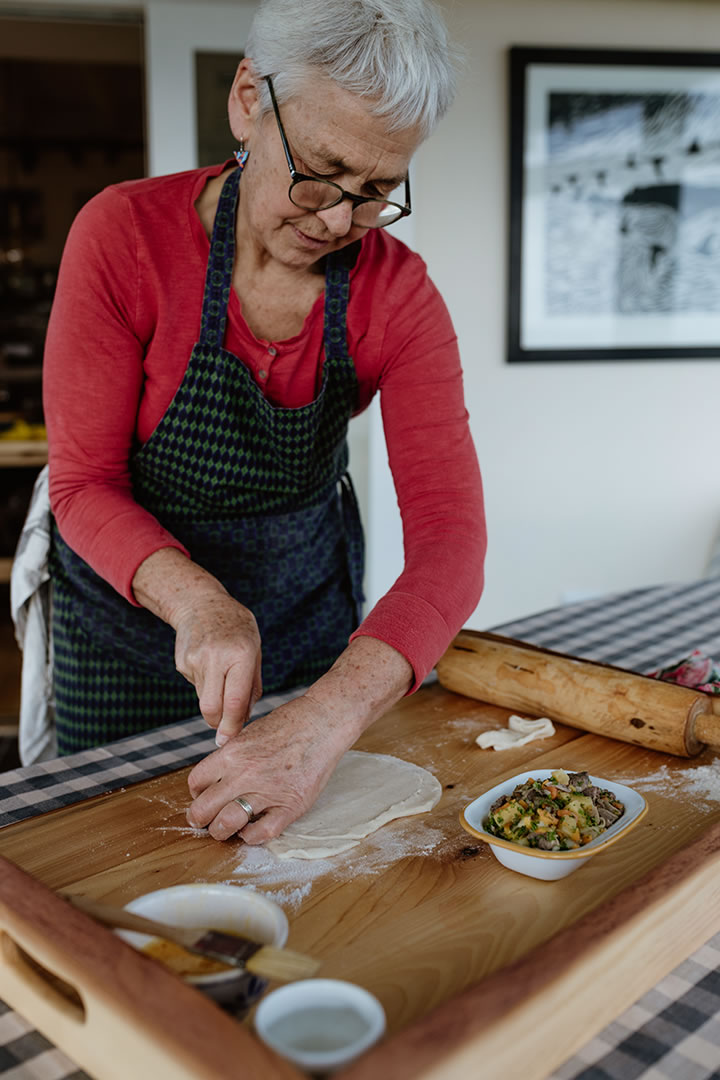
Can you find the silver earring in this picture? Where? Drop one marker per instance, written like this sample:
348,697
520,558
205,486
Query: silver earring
241,155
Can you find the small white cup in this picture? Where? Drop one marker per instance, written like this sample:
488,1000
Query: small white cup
320,1024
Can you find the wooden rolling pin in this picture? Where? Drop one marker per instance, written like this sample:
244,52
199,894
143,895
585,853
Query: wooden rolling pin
581,693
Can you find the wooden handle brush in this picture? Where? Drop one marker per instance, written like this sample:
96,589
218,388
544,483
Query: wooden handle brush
268,961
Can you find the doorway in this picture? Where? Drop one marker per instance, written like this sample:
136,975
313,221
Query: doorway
72,121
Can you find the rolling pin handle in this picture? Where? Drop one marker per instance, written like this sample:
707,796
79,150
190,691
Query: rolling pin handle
706,729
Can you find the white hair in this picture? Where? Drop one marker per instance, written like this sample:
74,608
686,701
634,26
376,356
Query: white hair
396,53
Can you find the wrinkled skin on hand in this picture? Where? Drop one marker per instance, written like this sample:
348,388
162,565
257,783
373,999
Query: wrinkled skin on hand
217,642
280,763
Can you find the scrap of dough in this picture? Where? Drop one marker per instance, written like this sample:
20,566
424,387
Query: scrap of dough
365,791
520,731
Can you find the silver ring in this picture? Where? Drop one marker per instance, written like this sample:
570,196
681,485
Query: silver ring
242,801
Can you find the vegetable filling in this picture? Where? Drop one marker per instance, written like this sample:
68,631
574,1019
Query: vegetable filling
558,813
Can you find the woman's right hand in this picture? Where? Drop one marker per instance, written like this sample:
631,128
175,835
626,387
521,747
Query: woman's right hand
218,650
217,642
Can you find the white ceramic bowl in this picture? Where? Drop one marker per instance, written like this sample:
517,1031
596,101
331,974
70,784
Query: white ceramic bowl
549,865
217,907
320,1024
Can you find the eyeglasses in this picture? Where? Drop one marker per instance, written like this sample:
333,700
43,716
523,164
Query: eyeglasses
313,193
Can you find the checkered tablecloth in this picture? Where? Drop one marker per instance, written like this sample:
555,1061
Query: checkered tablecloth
671,1033
50,785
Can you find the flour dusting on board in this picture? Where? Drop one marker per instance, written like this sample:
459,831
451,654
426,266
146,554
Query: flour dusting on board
187,830
463,725
289,881
700,782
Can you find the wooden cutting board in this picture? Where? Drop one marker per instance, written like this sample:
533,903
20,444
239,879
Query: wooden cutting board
472,962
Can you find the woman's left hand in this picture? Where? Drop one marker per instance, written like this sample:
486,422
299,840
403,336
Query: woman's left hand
281,762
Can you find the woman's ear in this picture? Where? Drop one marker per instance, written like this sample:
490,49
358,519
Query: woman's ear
244,101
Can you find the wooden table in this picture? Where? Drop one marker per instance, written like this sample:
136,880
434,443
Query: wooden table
472,962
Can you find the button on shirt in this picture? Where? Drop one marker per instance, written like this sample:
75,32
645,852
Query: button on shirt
263,372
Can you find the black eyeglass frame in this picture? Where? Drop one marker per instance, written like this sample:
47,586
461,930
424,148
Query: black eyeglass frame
357,200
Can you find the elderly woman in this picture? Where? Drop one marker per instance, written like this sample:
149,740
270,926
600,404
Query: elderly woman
212,334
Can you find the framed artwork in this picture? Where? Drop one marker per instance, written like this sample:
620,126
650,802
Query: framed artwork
614,205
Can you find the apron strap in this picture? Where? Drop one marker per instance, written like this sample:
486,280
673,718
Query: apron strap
337,293
218,279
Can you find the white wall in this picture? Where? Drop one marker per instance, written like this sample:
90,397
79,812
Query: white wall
598,476
173,32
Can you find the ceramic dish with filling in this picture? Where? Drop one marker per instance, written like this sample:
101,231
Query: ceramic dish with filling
549,865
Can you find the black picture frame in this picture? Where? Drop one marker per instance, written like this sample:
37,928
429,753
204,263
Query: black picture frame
614,216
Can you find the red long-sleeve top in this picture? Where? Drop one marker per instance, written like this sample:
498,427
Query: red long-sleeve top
124,320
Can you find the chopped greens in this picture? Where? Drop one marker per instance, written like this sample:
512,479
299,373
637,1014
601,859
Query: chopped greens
560,812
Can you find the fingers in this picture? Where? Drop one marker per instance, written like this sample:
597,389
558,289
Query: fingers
210,696
267,827
232,818
225,697
204,775
235,704
214,789
214,808
238,699
218,650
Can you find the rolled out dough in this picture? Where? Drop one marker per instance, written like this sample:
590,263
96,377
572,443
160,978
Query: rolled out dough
365,791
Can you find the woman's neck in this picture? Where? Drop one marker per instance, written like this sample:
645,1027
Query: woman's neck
275,299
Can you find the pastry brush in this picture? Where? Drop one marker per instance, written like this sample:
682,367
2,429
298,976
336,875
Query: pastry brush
268,961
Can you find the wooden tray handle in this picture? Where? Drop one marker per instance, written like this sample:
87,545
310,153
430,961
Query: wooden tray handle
89,992
581,693
35,983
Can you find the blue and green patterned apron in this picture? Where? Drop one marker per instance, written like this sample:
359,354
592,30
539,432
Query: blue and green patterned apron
259,495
